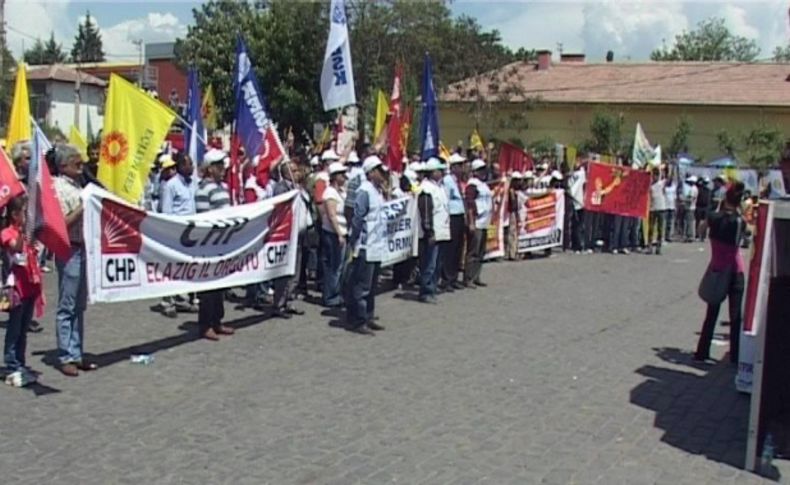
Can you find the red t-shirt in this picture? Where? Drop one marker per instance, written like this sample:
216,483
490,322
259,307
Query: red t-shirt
28,276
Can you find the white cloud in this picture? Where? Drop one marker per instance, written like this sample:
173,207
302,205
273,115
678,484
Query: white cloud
27,20
119,39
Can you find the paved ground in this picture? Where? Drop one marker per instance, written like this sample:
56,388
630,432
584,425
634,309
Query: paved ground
573,369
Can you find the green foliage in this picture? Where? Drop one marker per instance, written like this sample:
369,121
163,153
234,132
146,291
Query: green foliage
87,43
782,54
45,53
7,77
760,147
287,40
606,129
544,147
710,41
680,138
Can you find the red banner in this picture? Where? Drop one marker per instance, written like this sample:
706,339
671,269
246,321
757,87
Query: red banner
613,189
495,240
513,158
756,270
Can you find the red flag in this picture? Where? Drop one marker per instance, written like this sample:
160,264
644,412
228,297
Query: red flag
512,158
10,186
233,174
273,152
52,231
395,127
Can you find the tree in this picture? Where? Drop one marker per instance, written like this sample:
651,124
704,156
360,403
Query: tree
727,142
544,147
606,129
760,147
710,41
7,76
87,43
45,53
680,138
782,54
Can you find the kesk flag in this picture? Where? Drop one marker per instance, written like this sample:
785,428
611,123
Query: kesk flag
429,133
209,109
194,134
10,186
643,153
45,218
382,108
475,141
76,139
135,124
253,128
337,77
19,122
614,189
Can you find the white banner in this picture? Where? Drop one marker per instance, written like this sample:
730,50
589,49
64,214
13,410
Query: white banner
132,254
541,221
337,76
401,220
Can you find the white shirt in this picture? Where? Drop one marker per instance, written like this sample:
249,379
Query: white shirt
658,201
578,179
331,193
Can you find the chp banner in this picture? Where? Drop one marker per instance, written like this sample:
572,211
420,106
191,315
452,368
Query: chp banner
613,189
495,235
540,221
401,220
133,254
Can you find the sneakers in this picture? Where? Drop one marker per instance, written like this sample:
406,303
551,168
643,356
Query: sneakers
20,378
625,251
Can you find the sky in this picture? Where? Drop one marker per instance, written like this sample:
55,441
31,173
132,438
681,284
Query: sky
630,28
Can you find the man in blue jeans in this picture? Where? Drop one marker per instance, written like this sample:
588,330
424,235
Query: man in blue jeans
72,290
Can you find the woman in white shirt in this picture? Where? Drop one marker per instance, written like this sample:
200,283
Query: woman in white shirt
334,231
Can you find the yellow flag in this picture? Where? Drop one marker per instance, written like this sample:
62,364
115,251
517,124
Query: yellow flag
135,125
443,151
19,123
76,139
475,141
209,109
326,137
382,108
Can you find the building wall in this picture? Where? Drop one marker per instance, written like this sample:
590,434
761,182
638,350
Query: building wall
61,112
569,124
170,77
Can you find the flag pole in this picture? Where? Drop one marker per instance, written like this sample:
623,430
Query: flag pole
186,123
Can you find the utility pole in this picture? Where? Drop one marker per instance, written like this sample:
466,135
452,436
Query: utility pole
3,85
77,86
139,44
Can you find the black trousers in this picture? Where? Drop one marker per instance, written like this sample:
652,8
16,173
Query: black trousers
475,253
735,298
578,239
451,260
211,309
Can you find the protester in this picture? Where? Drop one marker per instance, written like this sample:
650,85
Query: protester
434,228
717,193
20,157
479,203
23,280
92,165
403,273
178,199
726,230
670,198
284,287
515,199
368,240
334,234
356,175
211,194
690,194
451,260
576,182
703,203
72,289
658,207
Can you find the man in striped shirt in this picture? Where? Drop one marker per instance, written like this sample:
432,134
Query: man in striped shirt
212,194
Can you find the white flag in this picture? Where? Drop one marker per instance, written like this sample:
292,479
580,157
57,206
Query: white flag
337,77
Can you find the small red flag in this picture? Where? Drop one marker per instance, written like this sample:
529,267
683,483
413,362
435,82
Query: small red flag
10,186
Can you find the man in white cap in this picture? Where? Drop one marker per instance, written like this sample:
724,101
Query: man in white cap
451,258
434,227
576,182
479,210
368,240
178,199
356,175
690,194
212,194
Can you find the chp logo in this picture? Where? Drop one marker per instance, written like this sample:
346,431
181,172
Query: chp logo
275,243
121,242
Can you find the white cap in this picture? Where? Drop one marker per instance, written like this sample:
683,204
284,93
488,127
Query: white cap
543,166
432,164
371,163
478,164
214,156
353,157
516,175
529,174
314,161
692,178
556,175
415,166
329,155
456,158
411,175
337,167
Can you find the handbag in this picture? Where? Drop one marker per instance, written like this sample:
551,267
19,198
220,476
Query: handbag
714,286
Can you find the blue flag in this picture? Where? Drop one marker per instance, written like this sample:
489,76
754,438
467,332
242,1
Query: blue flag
194,134
252,119
429,127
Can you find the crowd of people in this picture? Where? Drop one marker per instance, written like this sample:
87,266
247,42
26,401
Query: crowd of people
341,232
